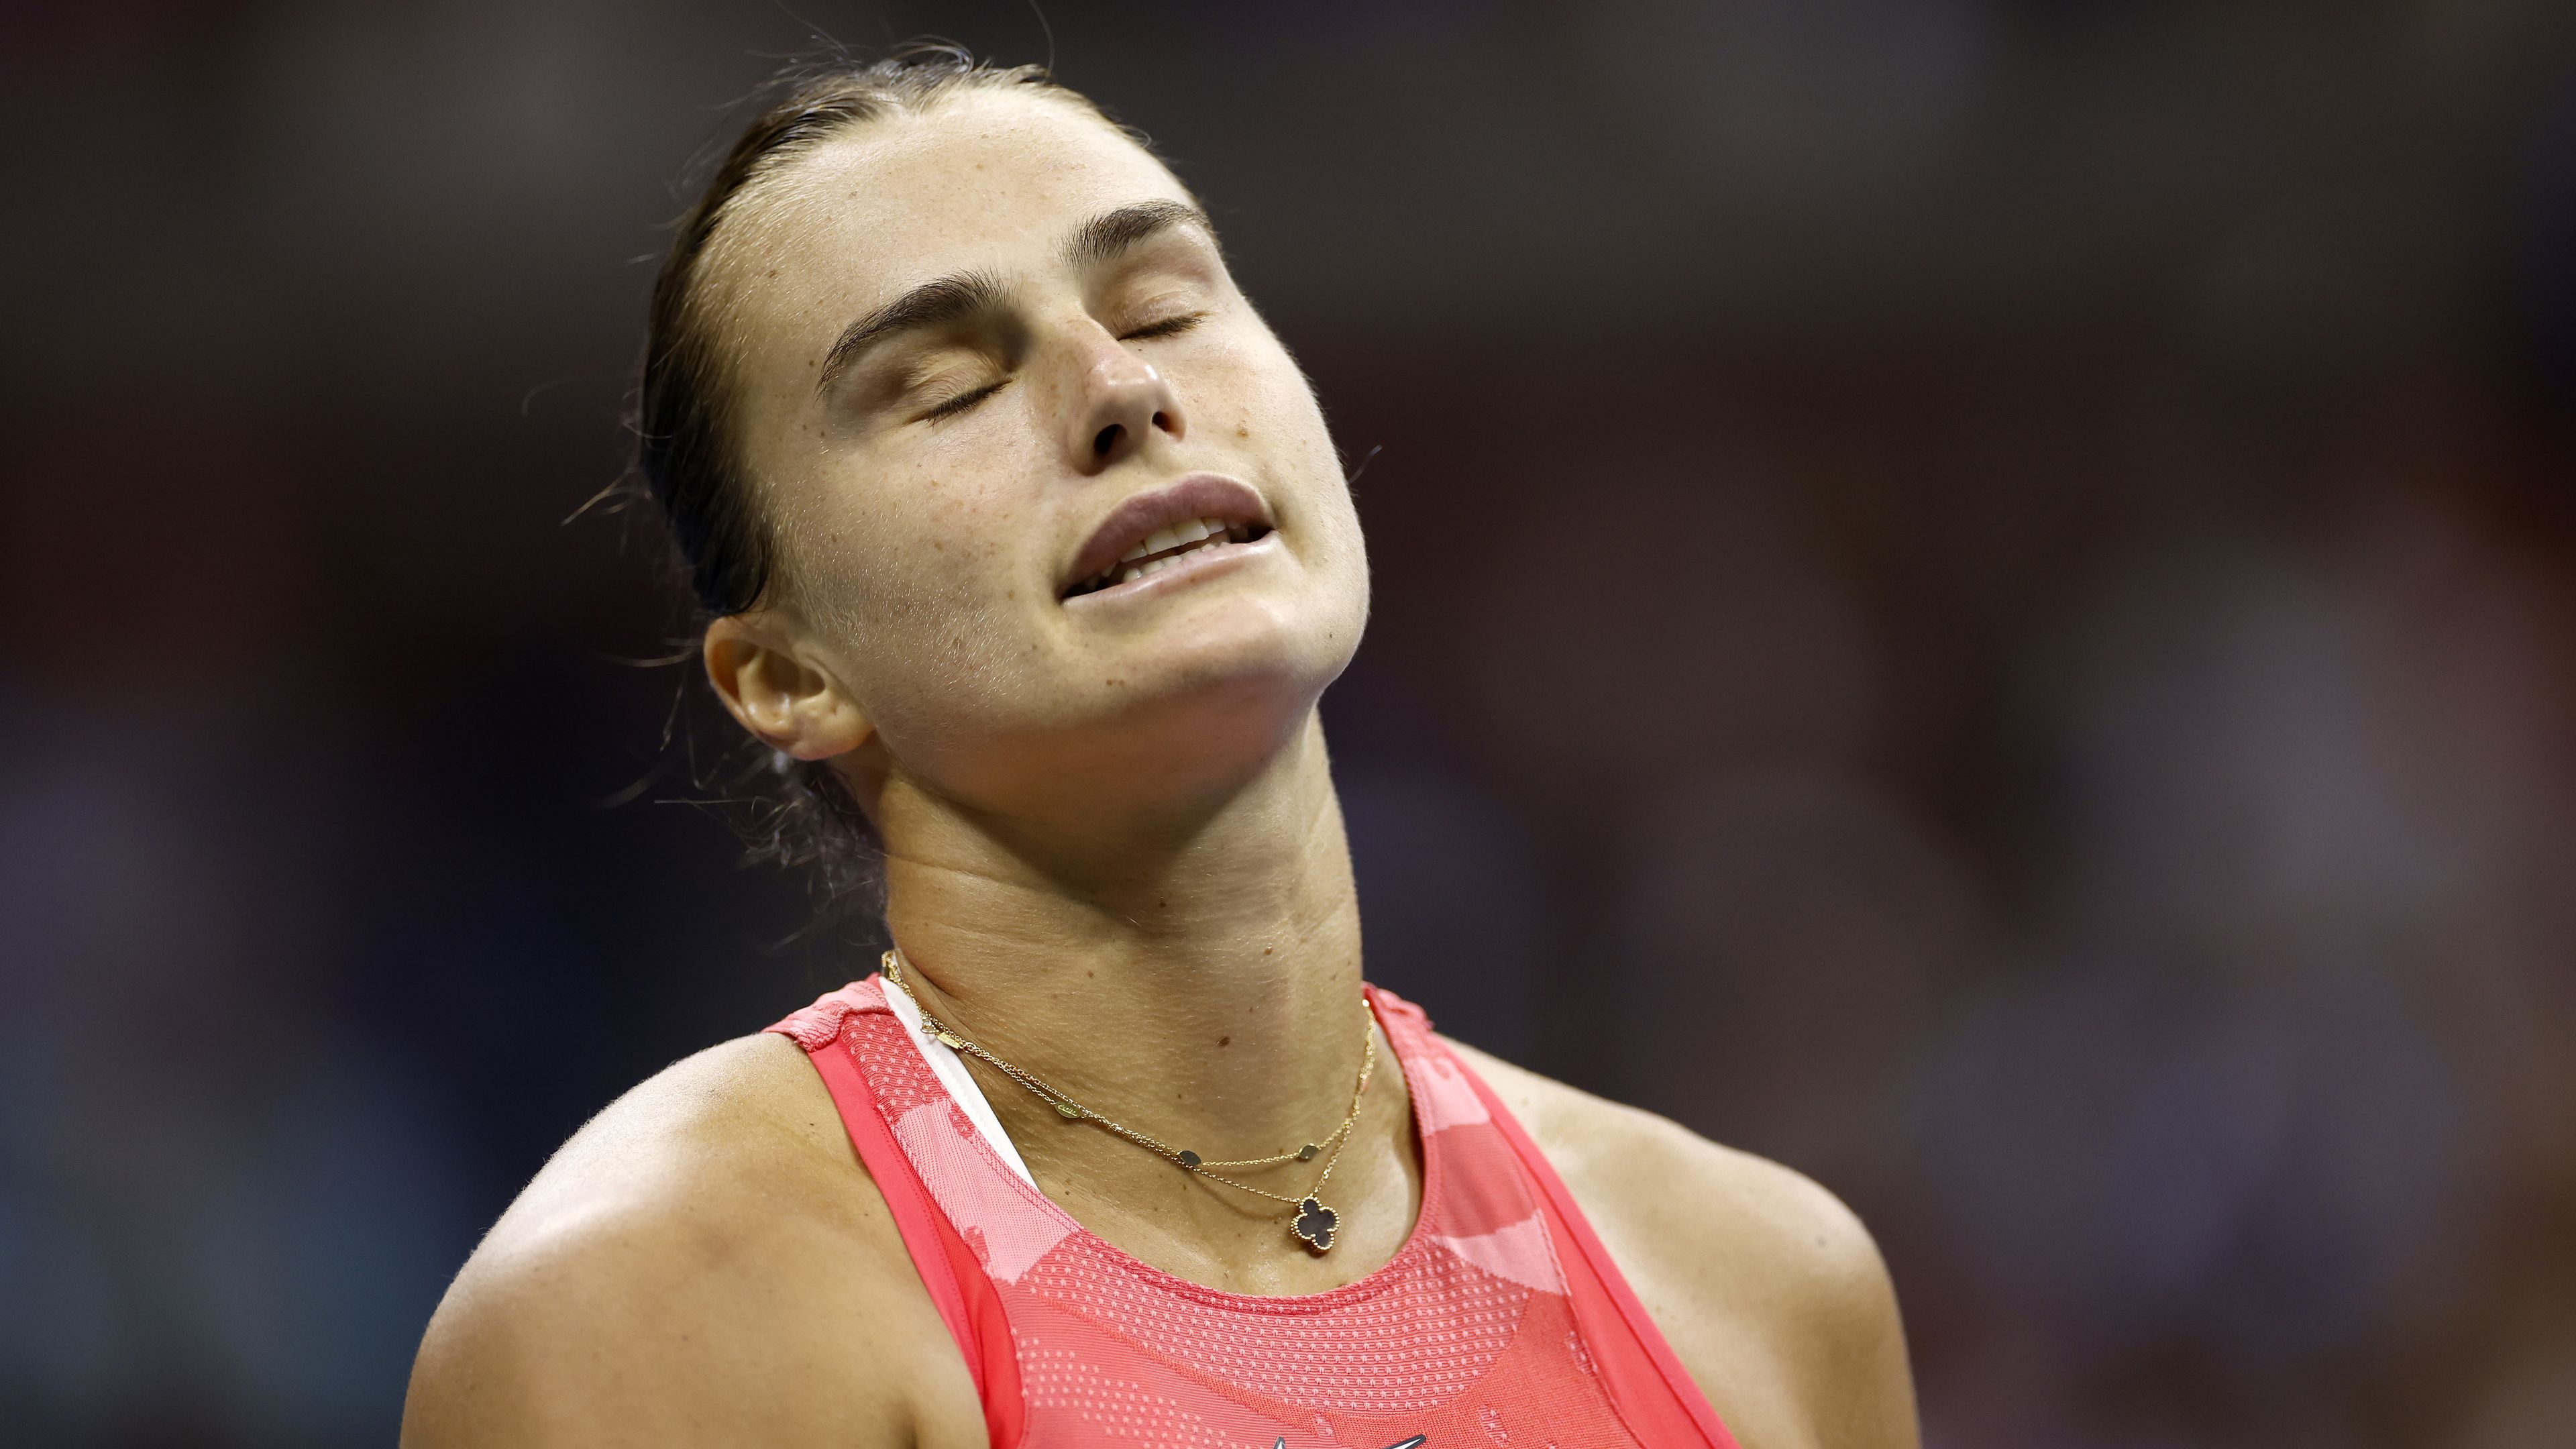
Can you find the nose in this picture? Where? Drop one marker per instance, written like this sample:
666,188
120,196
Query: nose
1122,403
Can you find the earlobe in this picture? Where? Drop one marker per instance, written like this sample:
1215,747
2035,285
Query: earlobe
786,701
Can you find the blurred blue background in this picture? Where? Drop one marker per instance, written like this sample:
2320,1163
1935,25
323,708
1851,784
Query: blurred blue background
1977,597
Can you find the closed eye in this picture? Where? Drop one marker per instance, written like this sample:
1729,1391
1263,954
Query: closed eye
1168,327
963,401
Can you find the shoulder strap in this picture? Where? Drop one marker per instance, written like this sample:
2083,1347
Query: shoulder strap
1659,1399
948,1266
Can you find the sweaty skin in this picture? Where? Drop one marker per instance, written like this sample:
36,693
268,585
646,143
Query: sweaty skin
1113,848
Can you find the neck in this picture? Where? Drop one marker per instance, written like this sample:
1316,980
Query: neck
1168,964
1197,980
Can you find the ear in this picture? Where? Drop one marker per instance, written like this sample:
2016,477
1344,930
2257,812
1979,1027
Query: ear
790,703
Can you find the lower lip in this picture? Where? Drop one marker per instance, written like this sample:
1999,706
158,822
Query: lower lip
1187,569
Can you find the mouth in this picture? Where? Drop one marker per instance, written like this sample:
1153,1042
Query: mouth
1155,531
1167,546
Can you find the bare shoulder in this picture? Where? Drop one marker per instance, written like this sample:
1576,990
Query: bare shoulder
1769,1289
704,1262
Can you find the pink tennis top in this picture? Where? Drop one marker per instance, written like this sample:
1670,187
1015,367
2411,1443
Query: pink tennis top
1500,1321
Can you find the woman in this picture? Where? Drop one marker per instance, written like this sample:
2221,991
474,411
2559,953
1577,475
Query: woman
1022,533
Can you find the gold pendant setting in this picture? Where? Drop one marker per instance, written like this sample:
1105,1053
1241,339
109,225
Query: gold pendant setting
1316,1224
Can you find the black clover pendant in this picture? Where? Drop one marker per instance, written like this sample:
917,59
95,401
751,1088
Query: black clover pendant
1316,1224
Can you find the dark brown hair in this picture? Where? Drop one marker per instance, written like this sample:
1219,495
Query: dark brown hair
801,814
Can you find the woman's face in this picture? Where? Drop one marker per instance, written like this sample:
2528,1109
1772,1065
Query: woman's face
982,359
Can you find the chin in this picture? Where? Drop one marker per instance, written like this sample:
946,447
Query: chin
1206,708
1236,683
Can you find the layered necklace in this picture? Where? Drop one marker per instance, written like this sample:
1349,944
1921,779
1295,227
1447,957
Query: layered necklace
1313,1223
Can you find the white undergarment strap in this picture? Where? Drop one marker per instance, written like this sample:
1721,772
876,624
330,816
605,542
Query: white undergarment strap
946,1065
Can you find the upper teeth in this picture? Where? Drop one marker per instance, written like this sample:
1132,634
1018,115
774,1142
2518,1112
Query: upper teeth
1188,531
1156,551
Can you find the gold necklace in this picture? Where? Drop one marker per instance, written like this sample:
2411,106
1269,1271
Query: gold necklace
1314,1224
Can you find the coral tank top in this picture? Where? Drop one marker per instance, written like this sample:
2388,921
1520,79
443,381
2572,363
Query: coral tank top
1501,1321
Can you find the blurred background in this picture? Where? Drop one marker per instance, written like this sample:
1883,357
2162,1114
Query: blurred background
1978,596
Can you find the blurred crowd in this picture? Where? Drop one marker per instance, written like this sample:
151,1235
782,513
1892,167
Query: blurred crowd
1977,596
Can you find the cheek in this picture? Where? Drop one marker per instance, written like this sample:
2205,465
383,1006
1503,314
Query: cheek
915,580
1283,423
1268,394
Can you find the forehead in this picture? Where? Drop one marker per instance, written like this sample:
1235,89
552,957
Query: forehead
980,181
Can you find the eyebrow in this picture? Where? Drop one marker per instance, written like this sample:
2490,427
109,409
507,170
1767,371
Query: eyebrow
1111,234
940,303
954,298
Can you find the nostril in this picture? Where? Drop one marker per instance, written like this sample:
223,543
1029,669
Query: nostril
1107,439
1163,422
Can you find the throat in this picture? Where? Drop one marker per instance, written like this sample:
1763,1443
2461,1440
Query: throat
1199,988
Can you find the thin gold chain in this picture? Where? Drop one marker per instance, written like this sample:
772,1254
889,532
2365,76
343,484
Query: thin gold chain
1073,1111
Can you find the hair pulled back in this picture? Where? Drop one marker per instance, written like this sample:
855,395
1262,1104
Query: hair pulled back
689,462
801,815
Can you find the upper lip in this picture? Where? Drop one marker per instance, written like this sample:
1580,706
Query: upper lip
1200,495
